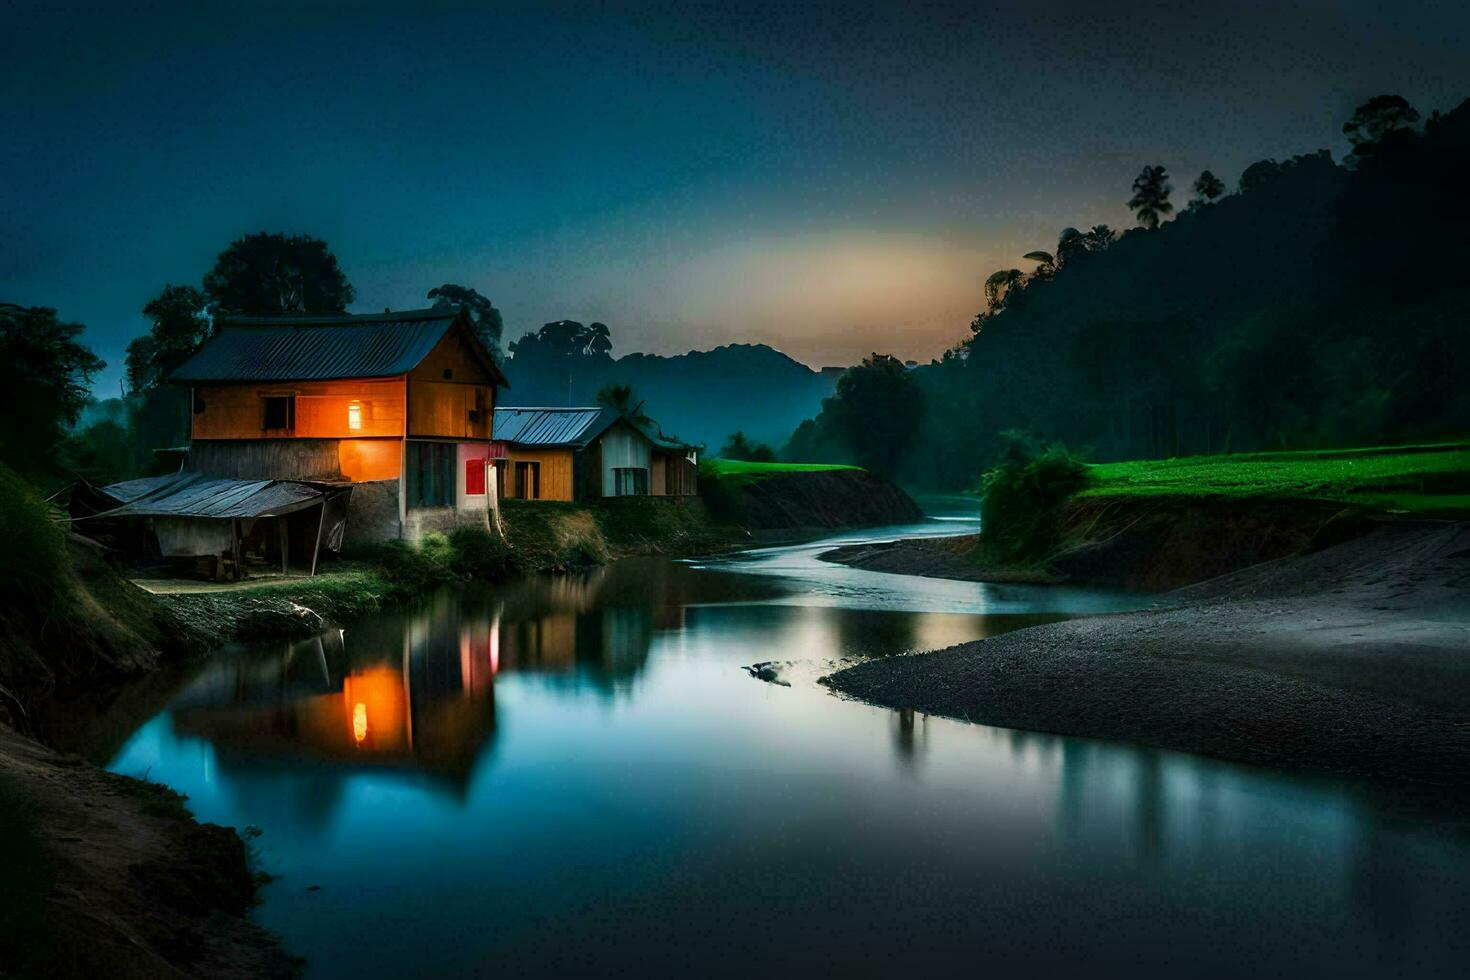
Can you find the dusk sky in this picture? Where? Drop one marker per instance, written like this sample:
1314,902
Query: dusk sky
829,180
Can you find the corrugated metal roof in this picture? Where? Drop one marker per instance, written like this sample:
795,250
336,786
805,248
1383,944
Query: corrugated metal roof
551,426
193,495
319,348
569,427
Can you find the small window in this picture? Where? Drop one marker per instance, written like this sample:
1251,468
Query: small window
448,373
198,404
630,481
354,415
280,412
474,416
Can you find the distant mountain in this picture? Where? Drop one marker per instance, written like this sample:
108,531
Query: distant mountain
701,396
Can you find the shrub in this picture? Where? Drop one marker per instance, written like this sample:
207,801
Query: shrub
34,571
1023,498
477,554
720,496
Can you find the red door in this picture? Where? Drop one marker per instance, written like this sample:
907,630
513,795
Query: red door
474,477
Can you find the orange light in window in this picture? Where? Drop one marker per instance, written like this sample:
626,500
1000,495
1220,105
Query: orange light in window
359,722
354,415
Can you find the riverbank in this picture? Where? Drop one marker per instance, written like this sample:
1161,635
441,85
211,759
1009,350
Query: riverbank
109,876
1353,659
789,500
540,536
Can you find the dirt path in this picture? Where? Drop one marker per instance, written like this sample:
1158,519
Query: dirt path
118,881
1354,659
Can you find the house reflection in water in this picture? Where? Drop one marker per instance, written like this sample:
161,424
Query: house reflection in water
417,691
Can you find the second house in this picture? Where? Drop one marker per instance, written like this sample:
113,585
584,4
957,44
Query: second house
587,454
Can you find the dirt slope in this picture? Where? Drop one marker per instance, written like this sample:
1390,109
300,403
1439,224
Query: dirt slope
824,499
118,881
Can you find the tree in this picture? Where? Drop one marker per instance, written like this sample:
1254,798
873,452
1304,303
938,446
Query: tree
484,317
877,412
560,348
1150,201
1259,174
623,400
276,275
180,324
1207,187
45,373
739,446
1046,264
999,286
1381,120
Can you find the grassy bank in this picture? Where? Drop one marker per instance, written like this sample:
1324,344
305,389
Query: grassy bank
786,499
540,536
1428,479
737,472
67,617
1160,524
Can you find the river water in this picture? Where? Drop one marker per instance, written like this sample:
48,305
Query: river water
576,775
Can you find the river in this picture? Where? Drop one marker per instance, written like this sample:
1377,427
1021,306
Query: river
575,774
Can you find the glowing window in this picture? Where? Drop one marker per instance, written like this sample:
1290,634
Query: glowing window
354,415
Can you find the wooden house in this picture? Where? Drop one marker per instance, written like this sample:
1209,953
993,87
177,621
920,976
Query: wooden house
399,406
587,454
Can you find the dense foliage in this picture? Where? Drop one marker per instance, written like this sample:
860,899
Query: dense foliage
873,419
739,446
1317,305
277,275
486,320
1023,496
45,372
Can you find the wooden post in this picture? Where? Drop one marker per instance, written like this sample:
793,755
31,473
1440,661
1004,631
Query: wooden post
320,520
285,539
235,548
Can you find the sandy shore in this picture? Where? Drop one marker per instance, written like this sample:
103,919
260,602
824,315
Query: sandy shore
948,557
1353,659
109,877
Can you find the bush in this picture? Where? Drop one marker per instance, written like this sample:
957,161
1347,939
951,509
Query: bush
438,559
477,554
720,496
1024,495
34,571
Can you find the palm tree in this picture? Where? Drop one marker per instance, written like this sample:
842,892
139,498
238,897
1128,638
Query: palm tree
1150,201
1207,187
593,339
620,398
999,286
1046,263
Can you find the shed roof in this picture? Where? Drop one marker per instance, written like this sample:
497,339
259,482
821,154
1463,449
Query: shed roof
322,348
196,495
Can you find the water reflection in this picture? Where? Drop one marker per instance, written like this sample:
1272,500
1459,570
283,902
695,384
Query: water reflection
524,781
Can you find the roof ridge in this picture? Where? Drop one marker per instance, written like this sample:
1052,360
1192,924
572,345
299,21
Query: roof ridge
549,408
337,319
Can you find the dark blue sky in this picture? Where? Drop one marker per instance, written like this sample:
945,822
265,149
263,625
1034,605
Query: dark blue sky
828,179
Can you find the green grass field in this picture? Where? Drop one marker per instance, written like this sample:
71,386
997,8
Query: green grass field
737,472
1418,479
